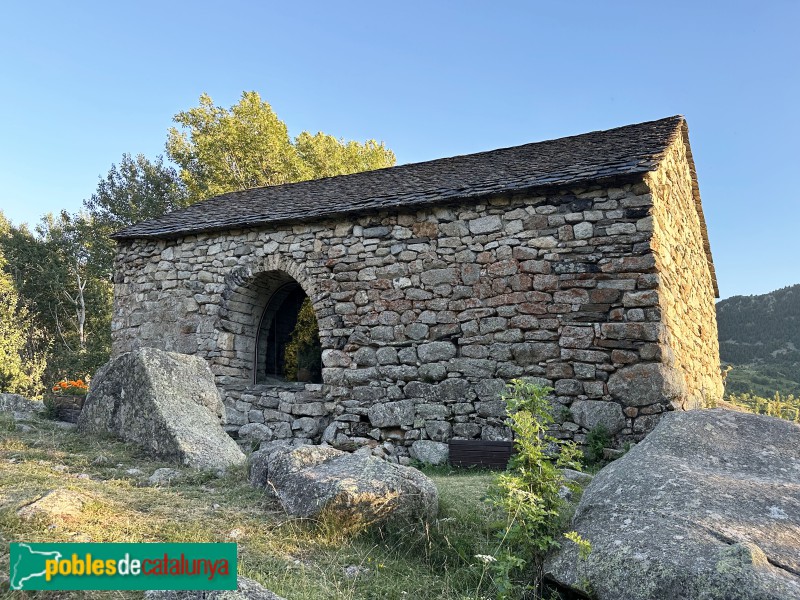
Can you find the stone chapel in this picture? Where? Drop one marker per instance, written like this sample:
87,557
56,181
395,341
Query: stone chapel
582,262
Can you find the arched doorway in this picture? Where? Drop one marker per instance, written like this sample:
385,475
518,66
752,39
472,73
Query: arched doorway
287,338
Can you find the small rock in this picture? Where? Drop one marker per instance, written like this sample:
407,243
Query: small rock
353,571
565,493
60,504
247,590
255,433
590,414
163,477
20,408
579,477
310,479
612,453
134,472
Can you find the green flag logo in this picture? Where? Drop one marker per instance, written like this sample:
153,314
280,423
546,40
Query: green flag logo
96,566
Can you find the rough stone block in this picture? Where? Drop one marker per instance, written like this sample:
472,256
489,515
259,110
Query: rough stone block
591,413
391,414
646,383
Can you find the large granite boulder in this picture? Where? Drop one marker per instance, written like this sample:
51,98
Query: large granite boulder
311,479
706,507
165,402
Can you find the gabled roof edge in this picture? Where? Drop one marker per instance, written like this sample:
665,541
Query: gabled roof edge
684,133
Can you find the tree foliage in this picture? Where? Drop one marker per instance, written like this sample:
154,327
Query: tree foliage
760,336
56,279
325,156
135,190
221,150
21,365
781,406
66,296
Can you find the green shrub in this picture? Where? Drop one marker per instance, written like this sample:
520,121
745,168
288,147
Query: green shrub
597,439
528,492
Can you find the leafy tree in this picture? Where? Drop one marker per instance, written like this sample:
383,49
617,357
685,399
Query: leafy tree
61,271
136,190
781,406
21,367
325,156
58,283
248,146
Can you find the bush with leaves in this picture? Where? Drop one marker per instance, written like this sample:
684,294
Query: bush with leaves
597,440
529,491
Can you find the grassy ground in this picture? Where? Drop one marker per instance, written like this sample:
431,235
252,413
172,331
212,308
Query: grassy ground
294,558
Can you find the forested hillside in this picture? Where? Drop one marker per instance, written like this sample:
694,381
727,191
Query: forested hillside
760,336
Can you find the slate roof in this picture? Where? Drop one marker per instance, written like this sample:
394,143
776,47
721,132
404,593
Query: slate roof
590,157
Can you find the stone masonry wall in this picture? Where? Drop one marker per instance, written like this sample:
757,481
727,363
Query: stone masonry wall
425,315
686,290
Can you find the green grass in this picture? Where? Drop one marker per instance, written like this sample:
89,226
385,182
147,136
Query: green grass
297,559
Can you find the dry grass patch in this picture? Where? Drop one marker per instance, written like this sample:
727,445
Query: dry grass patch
297,559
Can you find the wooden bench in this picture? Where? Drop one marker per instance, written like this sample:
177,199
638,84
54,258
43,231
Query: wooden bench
480,453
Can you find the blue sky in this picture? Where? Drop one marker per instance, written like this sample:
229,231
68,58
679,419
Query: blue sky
84,82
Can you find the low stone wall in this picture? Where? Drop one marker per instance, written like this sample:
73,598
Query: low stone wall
290,410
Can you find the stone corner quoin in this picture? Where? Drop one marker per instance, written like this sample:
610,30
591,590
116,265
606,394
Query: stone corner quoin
605,291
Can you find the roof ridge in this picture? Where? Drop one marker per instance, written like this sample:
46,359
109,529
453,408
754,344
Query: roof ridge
470,154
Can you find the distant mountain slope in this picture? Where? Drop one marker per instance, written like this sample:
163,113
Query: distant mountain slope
763,333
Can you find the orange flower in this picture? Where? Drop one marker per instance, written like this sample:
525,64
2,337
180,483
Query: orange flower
67,386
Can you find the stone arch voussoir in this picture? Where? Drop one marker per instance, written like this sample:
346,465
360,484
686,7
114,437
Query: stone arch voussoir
244,281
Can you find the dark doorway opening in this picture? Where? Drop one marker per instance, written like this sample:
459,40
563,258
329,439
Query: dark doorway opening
276,331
